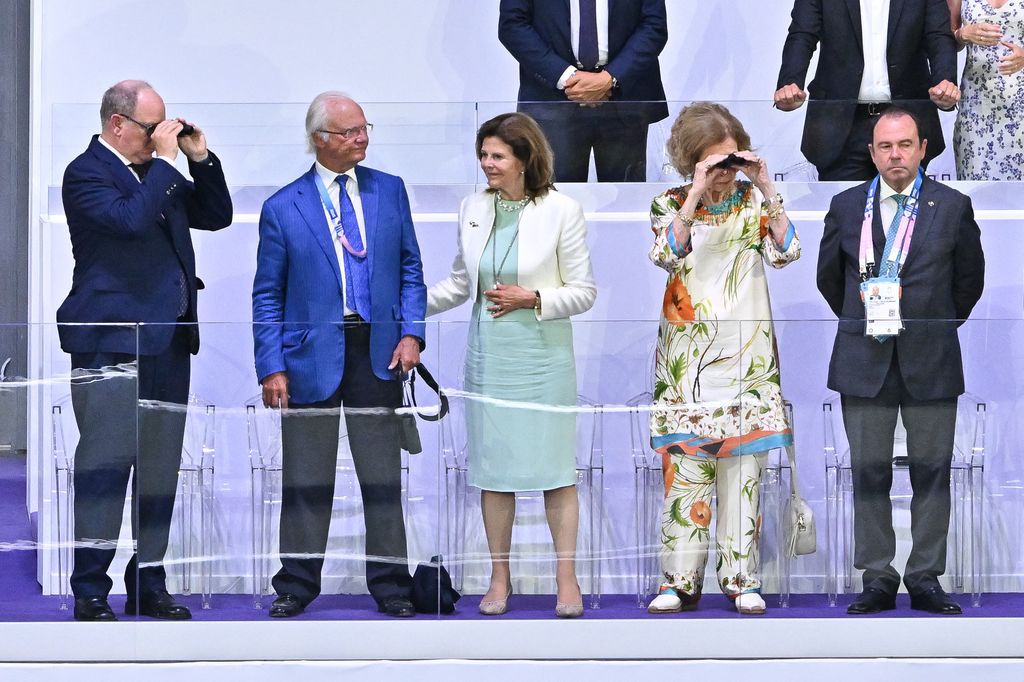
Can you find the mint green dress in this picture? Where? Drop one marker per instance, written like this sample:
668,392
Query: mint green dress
520,444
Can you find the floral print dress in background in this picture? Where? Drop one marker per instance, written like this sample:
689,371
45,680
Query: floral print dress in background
988,139
717,400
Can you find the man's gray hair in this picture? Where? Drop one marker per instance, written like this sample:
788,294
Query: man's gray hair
316,115
121,98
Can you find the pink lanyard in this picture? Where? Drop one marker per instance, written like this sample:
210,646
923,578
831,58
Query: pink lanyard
901,244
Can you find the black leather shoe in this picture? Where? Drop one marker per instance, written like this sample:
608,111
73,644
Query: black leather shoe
93,608
157,604
872,600
935,600
397,607
286,606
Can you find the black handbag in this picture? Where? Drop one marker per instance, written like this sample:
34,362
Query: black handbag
432,590
409,434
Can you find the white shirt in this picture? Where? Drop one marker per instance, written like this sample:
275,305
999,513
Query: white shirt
125,160
874,23
887,205
574,33
330,179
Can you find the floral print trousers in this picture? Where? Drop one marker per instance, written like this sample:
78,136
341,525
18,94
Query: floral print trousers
686,521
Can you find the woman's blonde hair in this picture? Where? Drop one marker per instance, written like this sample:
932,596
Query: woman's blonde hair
699,126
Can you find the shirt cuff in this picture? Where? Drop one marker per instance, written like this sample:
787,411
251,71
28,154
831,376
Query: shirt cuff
168,160
674,245
566,75
788,239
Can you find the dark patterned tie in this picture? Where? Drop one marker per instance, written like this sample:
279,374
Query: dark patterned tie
357,276
141,169
588,34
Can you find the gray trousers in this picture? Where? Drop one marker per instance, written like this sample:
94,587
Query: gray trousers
870,424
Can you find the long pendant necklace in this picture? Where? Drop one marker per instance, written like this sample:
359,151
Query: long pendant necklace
497,268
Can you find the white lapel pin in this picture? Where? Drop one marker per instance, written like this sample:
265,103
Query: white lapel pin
931,203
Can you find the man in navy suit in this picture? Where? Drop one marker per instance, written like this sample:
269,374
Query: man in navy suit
589,75
129,216
901,51
918,372
338,306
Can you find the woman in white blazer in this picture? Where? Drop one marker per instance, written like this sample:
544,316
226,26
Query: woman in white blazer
523,261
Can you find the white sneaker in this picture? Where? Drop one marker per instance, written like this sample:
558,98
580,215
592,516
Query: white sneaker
667,601
750,603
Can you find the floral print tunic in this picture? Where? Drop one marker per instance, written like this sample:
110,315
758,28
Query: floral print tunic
988,138
716,388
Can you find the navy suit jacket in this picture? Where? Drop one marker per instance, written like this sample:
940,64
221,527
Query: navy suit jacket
536,32
920,53
297,296
942,279
131,241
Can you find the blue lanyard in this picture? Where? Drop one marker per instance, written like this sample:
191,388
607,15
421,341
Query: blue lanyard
325,198
332,212
908,220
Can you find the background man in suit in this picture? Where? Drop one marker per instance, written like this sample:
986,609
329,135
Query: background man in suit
602,55
129,215
339,266
901,51
918,373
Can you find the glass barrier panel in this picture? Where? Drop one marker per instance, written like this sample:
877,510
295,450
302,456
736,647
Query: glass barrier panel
263,146
339,533
223,553
67,518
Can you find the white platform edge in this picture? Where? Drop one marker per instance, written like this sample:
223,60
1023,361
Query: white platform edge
584,639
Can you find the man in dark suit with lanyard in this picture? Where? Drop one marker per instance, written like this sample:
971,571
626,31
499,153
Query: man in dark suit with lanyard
338,304
900,51
129,216
589,75
897,351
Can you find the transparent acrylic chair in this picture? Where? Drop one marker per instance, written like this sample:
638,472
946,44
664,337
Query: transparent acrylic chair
967,484
589,484
649,496
263,427
195,497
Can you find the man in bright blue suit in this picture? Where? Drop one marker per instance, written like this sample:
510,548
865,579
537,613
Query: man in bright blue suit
338,309
589,75
129,216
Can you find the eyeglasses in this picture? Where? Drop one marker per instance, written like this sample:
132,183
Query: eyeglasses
349,133
148,127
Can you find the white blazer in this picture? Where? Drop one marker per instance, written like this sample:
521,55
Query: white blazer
553,255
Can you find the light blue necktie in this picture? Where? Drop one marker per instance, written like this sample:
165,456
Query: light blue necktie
357,276
887,269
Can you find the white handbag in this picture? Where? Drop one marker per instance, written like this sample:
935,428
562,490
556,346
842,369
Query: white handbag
799,532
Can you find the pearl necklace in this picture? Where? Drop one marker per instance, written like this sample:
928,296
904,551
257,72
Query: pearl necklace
509,205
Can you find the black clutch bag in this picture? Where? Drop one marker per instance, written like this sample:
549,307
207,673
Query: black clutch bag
432,590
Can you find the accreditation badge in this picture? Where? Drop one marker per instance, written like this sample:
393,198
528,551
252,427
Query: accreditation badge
881,296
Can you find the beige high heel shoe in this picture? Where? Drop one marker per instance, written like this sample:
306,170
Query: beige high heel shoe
564,610
496,607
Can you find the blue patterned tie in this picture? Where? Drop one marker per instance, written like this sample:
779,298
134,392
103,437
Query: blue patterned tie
889,269
357,276
588,53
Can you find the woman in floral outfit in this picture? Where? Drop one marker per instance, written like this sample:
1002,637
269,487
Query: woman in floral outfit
718,406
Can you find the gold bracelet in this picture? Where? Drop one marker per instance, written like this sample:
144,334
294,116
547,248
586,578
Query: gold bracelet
686,222
772,206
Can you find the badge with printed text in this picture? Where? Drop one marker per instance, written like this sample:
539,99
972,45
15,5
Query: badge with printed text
881,306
